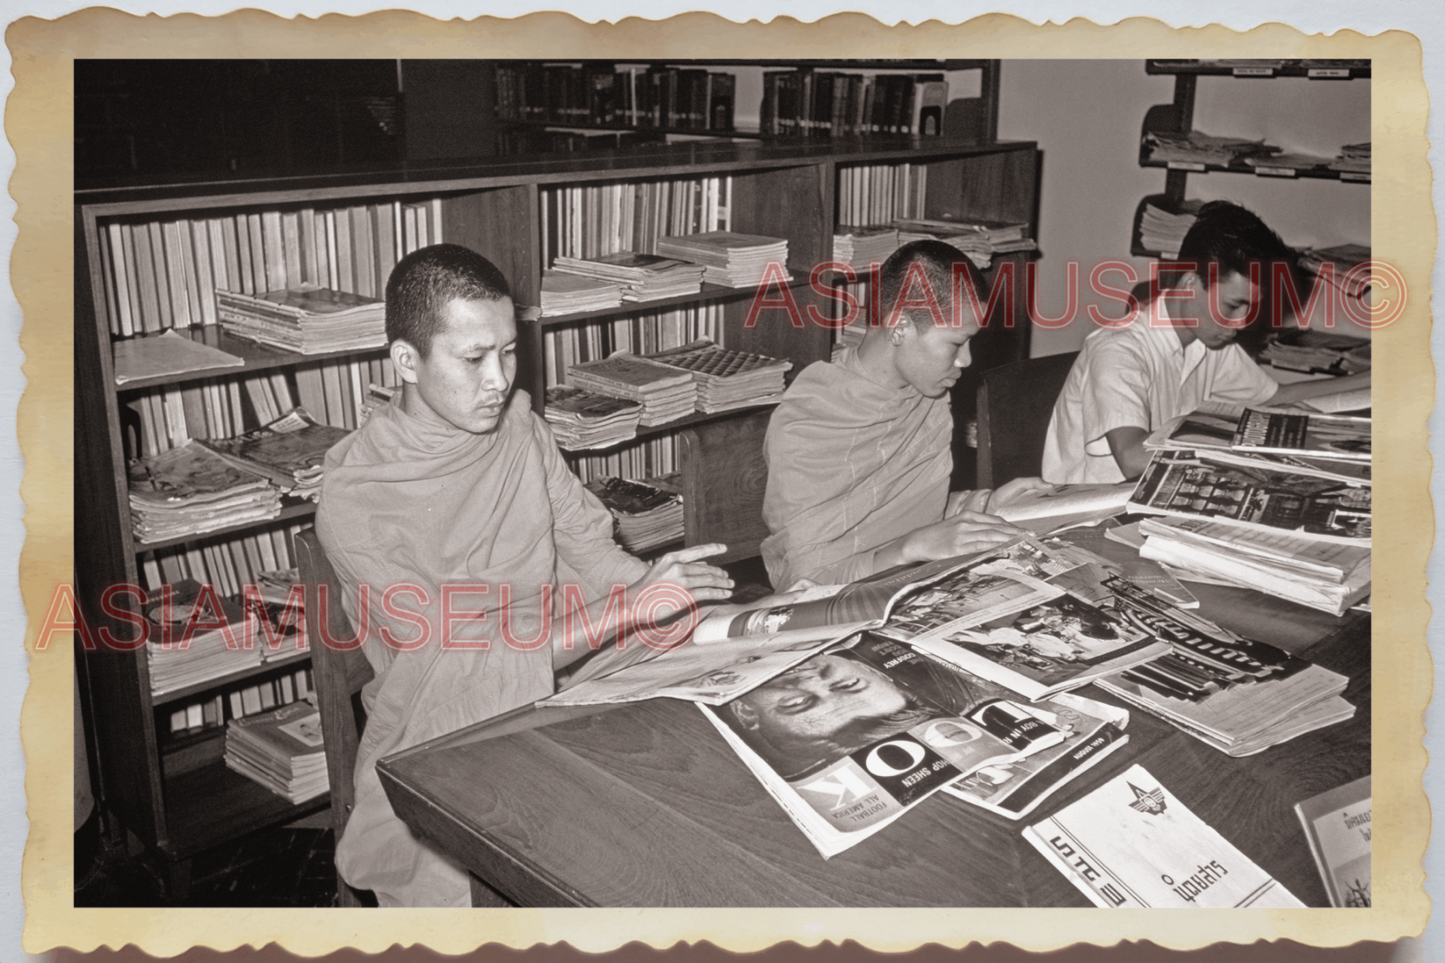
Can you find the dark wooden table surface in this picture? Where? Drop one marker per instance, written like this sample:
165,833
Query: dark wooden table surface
645,805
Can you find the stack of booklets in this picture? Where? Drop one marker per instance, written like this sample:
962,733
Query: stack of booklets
728,379
1353,159
288,452
307,319
191,490
581,419
733,260
665,393
1199,148
281,750
861,246
646,513
177,660
641,277
572,293
1237,695
1159,230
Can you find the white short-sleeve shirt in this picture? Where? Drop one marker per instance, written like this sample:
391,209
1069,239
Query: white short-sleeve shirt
1139,375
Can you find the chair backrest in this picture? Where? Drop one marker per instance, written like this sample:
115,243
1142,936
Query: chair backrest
1015,402
339,675
724,480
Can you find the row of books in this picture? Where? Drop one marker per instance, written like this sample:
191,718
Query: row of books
825,103
579,95
878,193
162,274
282,750
216,711
228,564
596,219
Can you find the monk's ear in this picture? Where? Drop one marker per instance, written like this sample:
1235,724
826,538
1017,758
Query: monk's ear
405,357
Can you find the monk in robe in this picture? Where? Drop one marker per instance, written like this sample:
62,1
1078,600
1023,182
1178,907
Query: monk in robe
457,486
858,451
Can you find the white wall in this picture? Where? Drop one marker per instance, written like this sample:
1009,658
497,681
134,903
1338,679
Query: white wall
1086,116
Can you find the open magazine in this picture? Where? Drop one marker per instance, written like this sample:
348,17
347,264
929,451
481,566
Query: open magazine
1216,425
850,739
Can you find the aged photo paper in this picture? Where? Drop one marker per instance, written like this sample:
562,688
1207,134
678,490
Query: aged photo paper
1403,235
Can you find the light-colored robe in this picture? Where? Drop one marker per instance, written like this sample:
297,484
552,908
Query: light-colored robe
852,465
414,500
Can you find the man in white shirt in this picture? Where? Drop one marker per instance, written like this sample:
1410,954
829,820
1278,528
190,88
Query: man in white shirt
1169,359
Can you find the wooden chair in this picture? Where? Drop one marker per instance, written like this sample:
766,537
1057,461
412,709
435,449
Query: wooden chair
724,479
338,675
1015,402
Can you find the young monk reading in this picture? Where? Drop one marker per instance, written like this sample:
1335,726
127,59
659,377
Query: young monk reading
457,487
1177,353
858,452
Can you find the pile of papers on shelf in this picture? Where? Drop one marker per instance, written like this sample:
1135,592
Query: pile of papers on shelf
1237,695
980,240
728,379
1164,232
1353,158
176,661
1341,259
734,260
288,452
641,277
281,750
862,246
1292,161
191,490
665,393
1317,351
646,514
307,319
1197,147
572,293
581,419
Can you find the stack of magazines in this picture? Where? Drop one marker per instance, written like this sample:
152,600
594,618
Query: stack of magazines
581,419
734,260
289,452
646,514
862,246
665,393
1199,148
572,293
191,490
642,277
974,244
728,379
281,750
307,319
175,660
1162,231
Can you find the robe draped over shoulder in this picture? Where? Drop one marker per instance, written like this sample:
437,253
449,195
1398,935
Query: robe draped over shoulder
852,465
410,504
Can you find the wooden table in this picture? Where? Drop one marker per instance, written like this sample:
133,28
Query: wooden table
645,805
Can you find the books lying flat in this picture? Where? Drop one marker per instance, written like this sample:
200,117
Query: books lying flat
167,354
1337,825
1132,844
1318,351
175,660
728,379
646,514
1160,230
734,260
640,277
1195,484
1352,158
666,393
862,246
1199,148
191,490
582,420
289,452
307,319
282,750
571,293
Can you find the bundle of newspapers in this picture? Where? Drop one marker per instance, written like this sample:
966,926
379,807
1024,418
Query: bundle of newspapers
307,319
665,393
582,420
727,379
734,260
641,277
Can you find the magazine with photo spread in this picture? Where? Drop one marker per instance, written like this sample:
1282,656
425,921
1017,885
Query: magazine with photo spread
852,738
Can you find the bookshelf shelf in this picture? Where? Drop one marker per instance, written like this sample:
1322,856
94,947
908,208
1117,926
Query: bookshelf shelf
258,358
211,802
230,679
1274,173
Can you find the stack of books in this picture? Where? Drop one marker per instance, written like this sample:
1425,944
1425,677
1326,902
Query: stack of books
581,419
281,750
176,661
979,239
1199,148
861,246
307,319
641,277
191,490
571,293
733,260
646,514
289,452
665,393
1353,159
728,379
1164,232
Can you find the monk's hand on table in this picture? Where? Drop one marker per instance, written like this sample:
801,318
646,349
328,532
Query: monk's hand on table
961,534
1009,491
685,569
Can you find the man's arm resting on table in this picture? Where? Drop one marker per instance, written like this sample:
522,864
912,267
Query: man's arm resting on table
1302,390
1127,447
